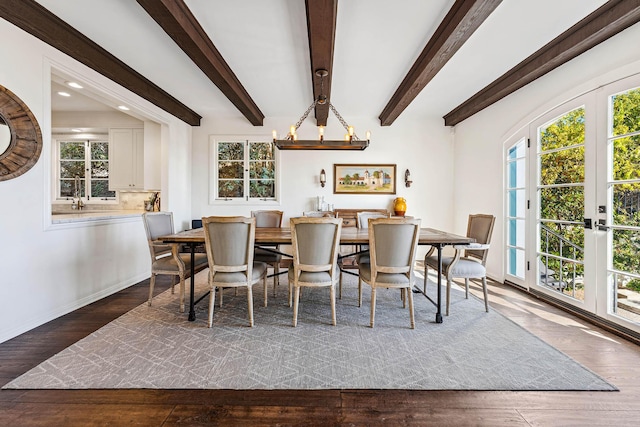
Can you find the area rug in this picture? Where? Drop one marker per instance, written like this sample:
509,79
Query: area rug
157,348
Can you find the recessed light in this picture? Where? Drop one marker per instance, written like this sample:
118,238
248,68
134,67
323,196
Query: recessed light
123,107
74,85
64,93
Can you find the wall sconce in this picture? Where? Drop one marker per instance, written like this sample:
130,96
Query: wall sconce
323,178
407,178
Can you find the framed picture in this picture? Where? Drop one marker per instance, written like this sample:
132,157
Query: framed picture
364,179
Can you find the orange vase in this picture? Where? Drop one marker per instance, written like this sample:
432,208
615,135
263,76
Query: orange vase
399,206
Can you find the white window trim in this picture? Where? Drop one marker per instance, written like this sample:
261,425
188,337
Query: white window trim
213,172
55,200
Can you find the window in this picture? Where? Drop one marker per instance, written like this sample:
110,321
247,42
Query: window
83,170
244,170
516,208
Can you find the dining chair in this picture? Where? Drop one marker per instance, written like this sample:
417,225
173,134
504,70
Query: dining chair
229,244
315,243
468,261
392,249
269,219
166,258
362,221
319,214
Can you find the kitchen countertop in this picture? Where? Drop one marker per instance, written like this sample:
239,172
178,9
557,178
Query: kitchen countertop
93,215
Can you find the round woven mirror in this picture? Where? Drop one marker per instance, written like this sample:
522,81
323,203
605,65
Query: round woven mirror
20,136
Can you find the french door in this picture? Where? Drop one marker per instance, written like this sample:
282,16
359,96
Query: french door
584,201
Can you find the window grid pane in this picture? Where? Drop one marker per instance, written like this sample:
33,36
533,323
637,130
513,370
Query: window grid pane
246,170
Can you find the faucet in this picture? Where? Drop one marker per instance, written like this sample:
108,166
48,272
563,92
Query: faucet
77,204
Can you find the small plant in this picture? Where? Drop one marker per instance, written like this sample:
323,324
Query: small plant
634,285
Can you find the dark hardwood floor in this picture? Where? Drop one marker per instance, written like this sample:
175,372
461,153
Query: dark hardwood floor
611,357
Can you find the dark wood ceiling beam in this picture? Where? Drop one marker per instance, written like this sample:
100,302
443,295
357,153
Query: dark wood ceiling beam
178,22
455,29
605,22
321,28
36,20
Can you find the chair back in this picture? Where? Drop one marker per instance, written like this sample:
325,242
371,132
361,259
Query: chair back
267,219
319,214
315,243
158,224
229,243
480,227
363,218
392,244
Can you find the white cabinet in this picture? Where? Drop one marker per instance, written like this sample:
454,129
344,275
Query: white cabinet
126,159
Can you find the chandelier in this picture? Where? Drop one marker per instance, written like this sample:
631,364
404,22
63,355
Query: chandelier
350,141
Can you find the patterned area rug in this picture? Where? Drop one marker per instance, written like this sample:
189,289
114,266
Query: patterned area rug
156,347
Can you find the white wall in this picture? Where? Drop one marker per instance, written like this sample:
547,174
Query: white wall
479,140
48,270
424,147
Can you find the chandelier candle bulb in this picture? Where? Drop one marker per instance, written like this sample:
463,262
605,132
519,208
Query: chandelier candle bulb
275,134
368,135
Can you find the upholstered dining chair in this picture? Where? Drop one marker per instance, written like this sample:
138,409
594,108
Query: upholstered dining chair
165,258
229,243
392,249
315,243
269,219
362,221
468,261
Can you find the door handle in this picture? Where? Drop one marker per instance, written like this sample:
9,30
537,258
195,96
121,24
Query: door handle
602,225
588,223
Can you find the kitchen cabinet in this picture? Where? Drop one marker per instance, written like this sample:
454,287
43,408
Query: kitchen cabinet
126,159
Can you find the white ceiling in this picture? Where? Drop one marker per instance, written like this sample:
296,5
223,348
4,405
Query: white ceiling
265,43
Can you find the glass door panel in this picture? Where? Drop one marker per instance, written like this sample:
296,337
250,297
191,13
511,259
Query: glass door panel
516,197
561,204
623,197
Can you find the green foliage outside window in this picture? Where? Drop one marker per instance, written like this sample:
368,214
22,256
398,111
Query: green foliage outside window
260,162
73,161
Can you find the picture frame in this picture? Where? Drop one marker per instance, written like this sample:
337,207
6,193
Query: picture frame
370,178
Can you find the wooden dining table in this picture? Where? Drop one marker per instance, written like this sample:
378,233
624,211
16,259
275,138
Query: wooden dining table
348,236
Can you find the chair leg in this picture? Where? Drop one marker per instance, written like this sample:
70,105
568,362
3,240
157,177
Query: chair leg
295,306
173,285
276,277
152,284
373,307
403,297
212,303
290,292
426,273
411,315
466,288
448,295
182,293
220,291
264,284
486,294
250,304
332,293
359,292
